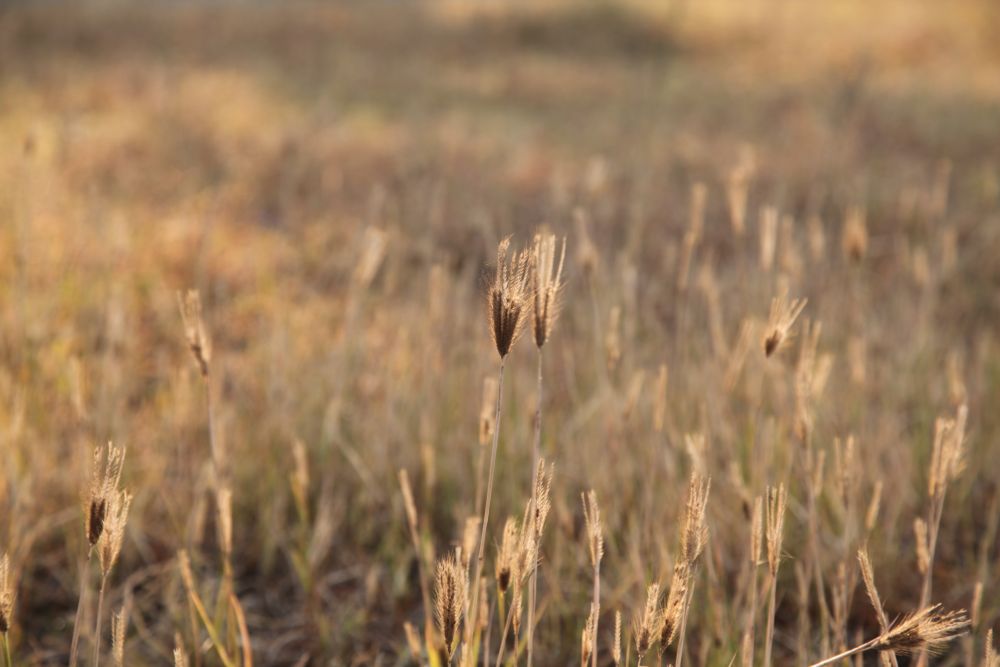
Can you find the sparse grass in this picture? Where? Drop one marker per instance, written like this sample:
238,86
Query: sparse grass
311,464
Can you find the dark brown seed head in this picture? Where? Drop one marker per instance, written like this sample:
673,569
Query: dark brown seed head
96,512
771,343
508,298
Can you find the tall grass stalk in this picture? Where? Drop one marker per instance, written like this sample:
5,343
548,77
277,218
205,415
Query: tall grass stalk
473,610
535,454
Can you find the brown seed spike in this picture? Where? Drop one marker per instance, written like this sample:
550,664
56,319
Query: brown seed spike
103,487
548,275
780,320
508,298
507,560
96,512
450,587
644,626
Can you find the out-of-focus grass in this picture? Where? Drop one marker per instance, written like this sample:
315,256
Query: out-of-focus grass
245,151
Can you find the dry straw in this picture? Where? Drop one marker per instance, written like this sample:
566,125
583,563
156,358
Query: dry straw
595,545
777,501
7,597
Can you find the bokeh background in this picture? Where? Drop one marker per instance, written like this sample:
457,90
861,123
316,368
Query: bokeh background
334,178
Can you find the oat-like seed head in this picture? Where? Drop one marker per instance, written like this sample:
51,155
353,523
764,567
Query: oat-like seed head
507,559
103,486
508,297
110,545
670,615
927,629
118,627
595,535
194,329
644,627
780,320
542,503
695,533
548,284
450,589
948,451
777,501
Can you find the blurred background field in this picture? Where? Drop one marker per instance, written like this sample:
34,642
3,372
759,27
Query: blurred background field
334,179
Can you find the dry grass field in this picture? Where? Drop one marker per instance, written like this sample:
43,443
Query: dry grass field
300,449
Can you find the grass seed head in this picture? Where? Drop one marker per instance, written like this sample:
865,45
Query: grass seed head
450,589
777,502
194,329
595,535
779,322
695,533
548,284
103,487
508,297
542,503
110,545
507,559
673,610
119,624
925,630
644,627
